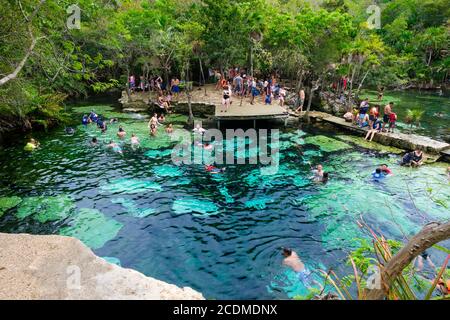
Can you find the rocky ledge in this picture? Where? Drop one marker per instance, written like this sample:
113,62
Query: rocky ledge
56,267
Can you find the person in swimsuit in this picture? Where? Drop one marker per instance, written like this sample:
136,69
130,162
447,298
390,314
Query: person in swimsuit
292,260
376,128
384,168
424,256
134,140
392,121
121,133
413,159
387,112
94,142
114,146
169,128
318,173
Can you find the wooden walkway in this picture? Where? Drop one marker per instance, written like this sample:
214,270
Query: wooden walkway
399,140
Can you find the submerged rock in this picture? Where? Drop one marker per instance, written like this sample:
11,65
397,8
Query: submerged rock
199,208
133,209
370,145
44,209
327,144
7,203
92,227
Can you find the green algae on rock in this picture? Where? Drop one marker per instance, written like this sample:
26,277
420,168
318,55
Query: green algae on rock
92,227
199,208
370,145
44,209
7,203
327,144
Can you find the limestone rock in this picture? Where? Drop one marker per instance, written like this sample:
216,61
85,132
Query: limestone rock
56,267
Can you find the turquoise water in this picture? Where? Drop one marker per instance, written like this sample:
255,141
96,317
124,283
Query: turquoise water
219,234
436,109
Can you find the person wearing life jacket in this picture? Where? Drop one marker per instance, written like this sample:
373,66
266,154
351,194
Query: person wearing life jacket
31,145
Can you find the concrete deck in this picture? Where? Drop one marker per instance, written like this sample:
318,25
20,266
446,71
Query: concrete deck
399,140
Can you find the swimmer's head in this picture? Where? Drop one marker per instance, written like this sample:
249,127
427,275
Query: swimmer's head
391,103
319,167
133,135
94,139
378,171
286,252
325,176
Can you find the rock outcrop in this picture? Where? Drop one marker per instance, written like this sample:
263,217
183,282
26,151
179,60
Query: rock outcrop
56,267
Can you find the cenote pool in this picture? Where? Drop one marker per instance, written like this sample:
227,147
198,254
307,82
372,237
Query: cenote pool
219,234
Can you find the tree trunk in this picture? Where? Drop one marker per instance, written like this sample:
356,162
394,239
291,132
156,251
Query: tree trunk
19,67
430,235
202,74
349,100
188,93
361,83
127,85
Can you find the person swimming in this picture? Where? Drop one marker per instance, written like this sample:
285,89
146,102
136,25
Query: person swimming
85,120
318,173
121,133
70,130
94,142
93,116
31,145
378,175
113,120
169,128
198,129
114,146
214,170
134,140
292,260
384,169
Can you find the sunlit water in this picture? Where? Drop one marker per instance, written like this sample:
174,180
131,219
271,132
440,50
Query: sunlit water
219,234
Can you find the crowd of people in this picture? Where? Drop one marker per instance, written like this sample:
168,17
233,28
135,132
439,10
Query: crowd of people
235,82
367,116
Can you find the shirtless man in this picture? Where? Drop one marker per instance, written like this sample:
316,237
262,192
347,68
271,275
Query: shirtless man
387,112
301,101
292,260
